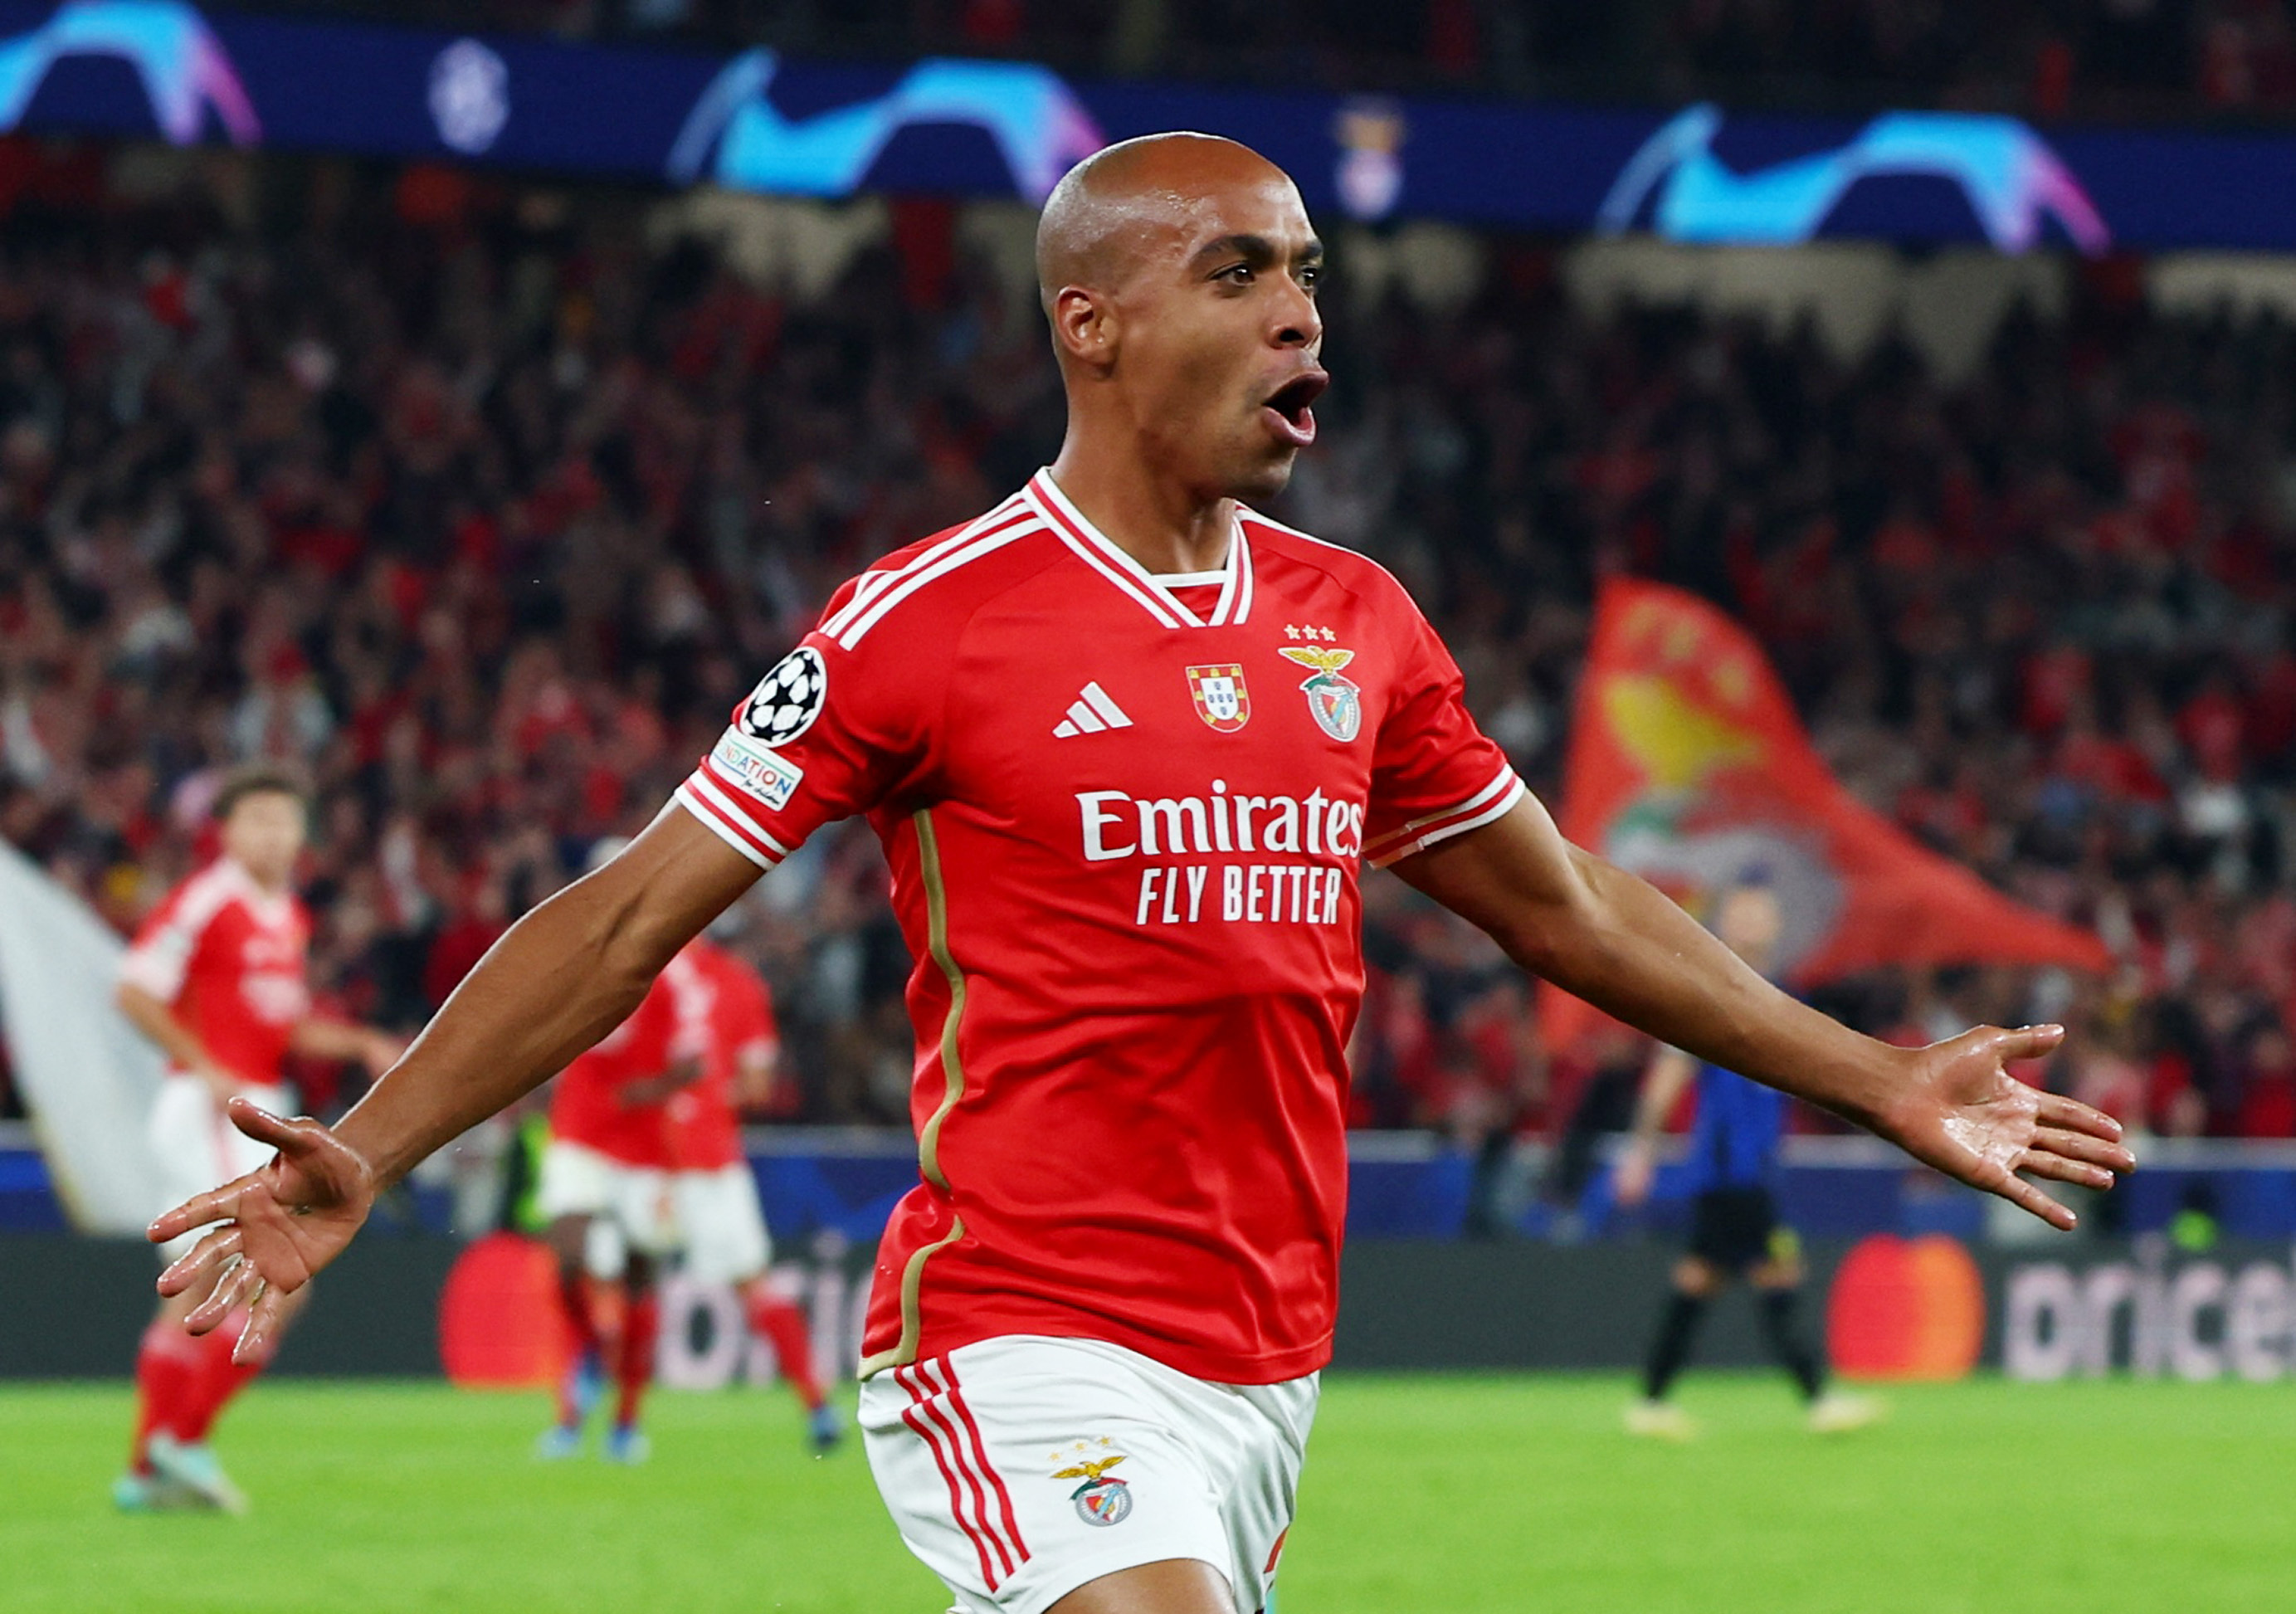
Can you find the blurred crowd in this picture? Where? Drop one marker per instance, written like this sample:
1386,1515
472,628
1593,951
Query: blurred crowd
483,512
2047,57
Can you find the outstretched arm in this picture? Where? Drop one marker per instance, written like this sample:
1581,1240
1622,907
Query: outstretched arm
564,976
1614,940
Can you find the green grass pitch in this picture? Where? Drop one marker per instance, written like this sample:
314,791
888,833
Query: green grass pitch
1454,1494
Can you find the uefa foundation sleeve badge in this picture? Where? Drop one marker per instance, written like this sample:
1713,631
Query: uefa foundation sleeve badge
1221,698
1335,702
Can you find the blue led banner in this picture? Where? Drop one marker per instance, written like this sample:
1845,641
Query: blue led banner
758,121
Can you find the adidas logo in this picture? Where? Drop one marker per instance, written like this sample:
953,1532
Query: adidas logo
1089,713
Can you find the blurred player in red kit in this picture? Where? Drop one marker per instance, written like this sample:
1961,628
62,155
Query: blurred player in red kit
1128,744
217,978
721,1223
606,1192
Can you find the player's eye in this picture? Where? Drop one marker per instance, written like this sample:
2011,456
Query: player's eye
1311,276
1236,274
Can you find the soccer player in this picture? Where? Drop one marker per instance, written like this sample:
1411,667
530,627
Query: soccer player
1127,743
606,1193
720,1223
217,978
1735,1229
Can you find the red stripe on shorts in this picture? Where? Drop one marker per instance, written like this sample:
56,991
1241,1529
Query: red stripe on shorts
926,1432
947,1370
936,1408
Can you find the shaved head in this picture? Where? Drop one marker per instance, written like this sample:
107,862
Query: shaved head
1112,214
1178,273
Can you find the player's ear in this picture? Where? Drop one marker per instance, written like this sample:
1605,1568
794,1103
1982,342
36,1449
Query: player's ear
1084,326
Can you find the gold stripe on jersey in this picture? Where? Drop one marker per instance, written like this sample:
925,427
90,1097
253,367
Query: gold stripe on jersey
912,1277
952,1064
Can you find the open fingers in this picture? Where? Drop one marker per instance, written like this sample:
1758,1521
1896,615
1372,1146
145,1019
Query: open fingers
2023,1195
202,1262
264,1128
216,1205
262,1324
2055,1109
239,1285
2057,1167
2082,1146
2030,1041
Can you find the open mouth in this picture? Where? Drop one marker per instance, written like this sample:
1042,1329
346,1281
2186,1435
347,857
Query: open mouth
1290,408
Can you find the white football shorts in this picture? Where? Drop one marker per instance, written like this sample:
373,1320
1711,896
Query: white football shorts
194,1147
1022,1468
718,1211
630,1207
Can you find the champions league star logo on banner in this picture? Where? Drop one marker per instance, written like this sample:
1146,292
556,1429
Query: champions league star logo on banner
175,54
1038,125
2010,178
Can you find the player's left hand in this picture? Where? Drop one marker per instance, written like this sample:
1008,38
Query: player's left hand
1963,1113
281,1225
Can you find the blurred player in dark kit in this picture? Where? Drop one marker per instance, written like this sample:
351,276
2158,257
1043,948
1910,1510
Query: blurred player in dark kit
1736,1230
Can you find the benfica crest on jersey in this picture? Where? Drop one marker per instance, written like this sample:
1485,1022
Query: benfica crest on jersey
1221,700
1336,702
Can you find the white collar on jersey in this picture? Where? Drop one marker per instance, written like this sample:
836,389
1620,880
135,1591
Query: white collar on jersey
272,907
1153,593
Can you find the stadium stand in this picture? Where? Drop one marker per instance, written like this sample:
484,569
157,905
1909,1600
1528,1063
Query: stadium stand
483,503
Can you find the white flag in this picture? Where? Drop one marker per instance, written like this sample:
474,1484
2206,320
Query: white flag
88,1076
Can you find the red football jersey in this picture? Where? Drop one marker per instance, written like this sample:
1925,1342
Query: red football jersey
1125,817
668,1026
705,1133
229,959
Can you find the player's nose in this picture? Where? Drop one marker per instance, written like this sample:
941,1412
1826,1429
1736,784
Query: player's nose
1297,323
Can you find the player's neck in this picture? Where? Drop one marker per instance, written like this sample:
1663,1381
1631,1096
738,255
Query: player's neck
269,888
1165,526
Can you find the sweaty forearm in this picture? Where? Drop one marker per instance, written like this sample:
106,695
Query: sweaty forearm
1631,952
1617,941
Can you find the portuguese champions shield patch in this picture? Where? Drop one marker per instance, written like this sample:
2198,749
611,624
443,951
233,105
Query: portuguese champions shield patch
1221,697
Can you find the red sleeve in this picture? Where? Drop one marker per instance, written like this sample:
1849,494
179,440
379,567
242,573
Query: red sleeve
160,958
841,723
1434,773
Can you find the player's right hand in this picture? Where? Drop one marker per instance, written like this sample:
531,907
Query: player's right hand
281,1225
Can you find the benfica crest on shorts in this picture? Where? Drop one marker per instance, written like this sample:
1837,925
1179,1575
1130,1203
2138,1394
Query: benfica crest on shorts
1335,702
1221,700
1099,1500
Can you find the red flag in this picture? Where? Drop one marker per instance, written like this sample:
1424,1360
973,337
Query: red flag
1689,767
